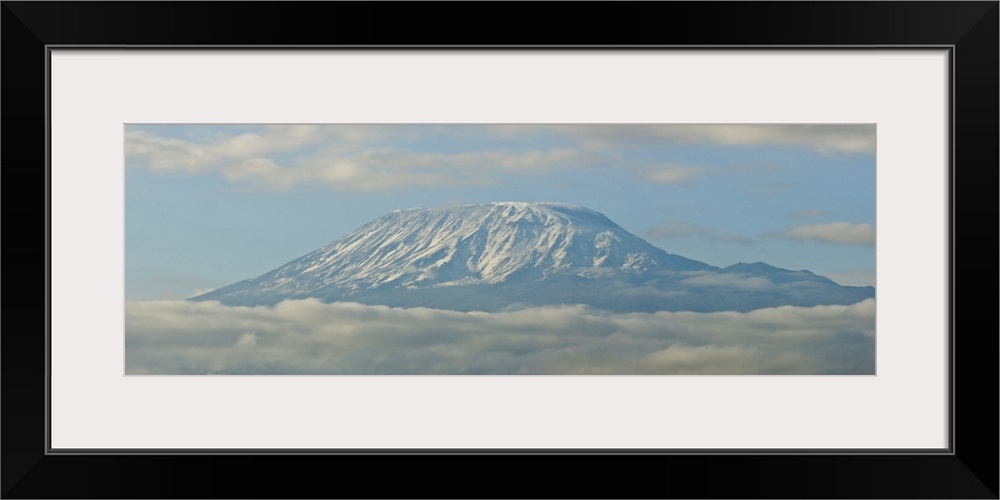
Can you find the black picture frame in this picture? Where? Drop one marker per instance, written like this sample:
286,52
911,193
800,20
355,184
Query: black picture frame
968,470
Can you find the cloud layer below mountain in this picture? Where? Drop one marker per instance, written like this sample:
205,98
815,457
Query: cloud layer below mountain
312,337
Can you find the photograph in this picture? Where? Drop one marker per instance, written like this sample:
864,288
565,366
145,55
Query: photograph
500,249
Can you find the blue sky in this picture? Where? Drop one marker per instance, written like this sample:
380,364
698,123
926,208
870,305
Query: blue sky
209,205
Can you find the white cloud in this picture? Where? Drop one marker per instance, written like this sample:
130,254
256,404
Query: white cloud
163,154
822,138
527,161
842,233
348,157
311,337
825,139
354,157
248,339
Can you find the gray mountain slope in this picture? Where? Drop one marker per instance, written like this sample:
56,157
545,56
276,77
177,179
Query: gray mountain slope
504,256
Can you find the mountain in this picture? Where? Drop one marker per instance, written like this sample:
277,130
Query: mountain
501,256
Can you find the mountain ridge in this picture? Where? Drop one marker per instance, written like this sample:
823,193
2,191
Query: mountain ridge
505,254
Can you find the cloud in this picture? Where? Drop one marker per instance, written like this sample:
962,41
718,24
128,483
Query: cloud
352,157
312,337
841,233
529,161
825,139
685,174
356,157
822,138
248,339
164,154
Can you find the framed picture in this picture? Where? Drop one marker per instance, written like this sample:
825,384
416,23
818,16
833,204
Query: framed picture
188,153
478,286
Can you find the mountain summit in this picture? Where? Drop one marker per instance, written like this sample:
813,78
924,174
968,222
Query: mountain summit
506,255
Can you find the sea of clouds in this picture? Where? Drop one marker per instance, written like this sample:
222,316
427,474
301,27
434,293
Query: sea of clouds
298,337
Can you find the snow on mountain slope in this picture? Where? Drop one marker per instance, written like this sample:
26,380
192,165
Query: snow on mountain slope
472,244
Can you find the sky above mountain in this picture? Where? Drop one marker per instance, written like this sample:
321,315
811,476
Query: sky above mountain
209,205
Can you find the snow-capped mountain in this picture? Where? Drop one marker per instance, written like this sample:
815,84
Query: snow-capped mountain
502,255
